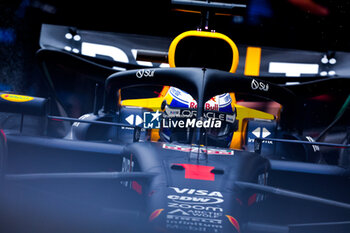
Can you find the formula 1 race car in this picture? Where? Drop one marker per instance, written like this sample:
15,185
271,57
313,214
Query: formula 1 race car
195,147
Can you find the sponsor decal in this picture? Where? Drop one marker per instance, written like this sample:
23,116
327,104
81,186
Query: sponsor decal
260,133
132,119
184,148
196,213
219,152
182,212
177,147
188,223
198,192
264,141
195,200
189,210
155,214
195,207
205,214
192,113
215,103
259,85
206,197
173,112
144,73
210,105
197,219
234,222
193,104
16,98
